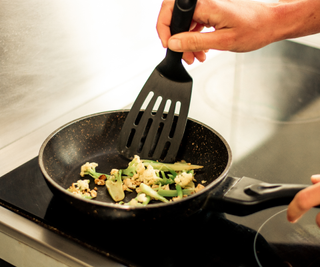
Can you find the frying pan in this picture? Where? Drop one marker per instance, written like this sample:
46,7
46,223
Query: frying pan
94,139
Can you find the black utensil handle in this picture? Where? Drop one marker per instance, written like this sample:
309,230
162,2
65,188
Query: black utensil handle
171,66
247,195
181,20
182,15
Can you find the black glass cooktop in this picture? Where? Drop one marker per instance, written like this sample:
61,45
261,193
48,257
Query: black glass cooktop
289,155
204,239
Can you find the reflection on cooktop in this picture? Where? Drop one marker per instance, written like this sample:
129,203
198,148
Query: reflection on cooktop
272,83
296,243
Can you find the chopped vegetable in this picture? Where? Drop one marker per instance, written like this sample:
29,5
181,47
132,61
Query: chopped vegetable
179,191
135,167
150,192
114,186
183,179
167,167
174,193
90,169
164,180
198,188
81,189
149,176
141,200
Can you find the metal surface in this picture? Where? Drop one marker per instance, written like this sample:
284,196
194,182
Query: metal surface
56,56
37,246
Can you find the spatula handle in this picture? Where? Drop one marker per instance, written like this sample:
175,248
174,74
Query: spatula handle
182,15
181,20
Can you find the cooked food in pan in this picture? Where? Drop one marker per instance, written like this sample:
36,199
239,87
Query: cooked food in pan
151,180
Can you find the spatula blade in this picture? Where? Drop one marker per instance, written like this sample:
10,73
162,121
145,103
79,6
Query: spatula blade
155,133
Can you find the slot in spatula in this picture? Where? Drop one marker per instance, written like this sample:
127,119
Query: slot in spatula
156,132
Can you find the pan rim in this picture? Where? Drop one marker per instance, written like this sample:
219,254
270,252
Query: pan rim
124,207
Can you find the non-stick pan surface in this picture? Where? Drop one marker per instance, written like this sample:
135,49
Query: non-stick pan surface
94,139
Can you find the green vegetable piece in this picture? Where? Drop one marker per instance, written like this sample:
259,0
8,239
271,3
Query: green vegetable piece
150,192
145,203
133,167
179,191
90,169
164,180
115,188
86,197
168,167
173,174
190,171
96,175
174,193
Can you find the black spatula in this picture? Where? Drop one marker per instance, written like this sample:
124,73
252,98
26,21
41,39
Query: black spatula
156,132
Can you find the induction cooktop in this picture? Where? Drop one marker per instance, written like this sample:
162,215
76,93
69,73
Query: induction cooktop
204,239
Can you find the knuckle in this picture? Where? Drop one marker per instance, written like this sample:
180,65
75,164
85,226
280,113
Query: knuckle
229,41
167,4
195,43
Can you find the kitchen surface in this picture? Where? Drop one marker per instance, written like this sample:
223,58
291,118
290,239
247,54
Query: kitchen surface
62,60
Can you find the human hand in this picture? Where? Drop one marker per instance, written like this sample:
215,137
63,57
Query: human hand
237,25
305,200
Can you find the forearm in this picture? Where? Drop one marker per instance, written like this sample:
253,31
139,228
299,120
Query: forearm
296,18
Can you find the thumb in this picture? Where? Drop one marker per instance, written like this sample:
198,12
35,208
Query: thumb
189,42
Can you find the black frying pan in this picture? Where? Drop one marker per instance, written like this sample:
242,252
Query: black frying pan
94,138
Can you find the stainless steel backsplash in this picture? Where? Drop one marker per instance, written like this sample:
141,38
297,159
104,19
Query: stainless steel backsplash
56,55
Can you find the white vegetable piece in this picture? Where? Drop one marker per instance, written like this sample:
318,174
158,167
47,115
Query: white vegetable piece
87,167
183,179
83,184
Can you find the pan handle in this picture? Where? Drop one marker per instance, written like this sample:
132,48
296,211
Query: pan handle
182,15
244,196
